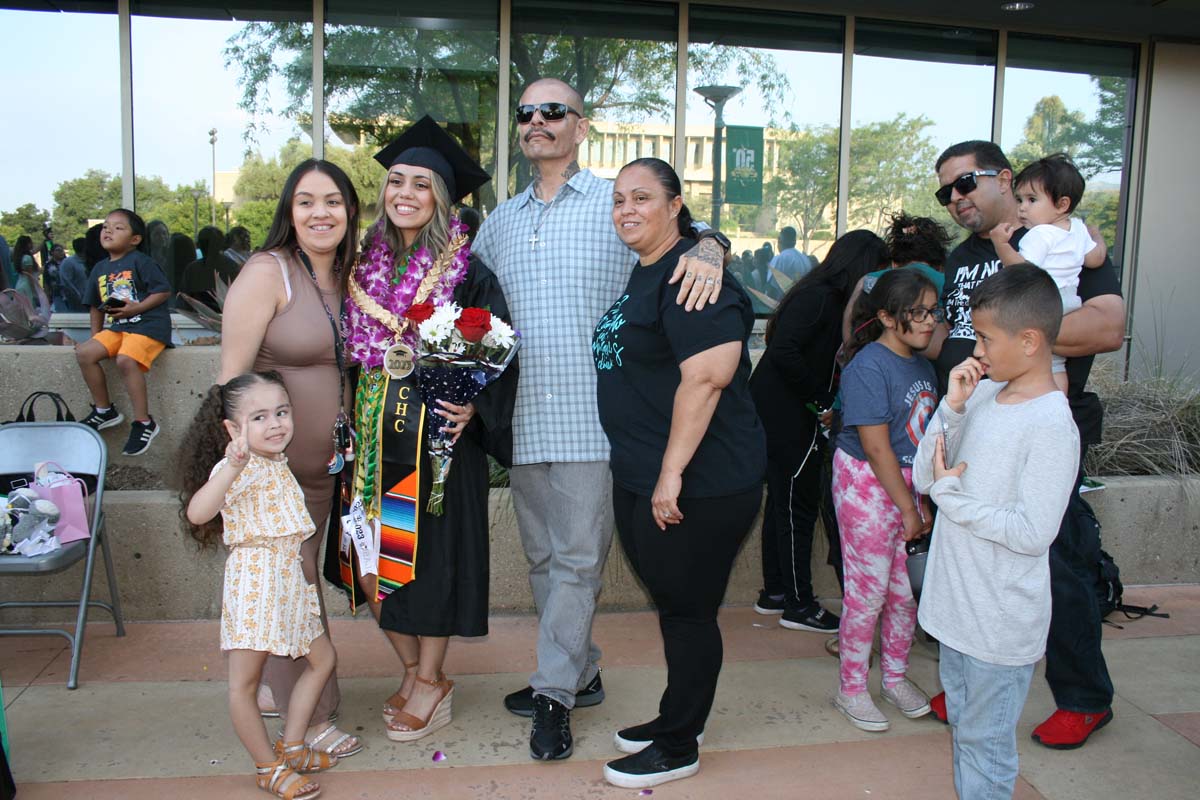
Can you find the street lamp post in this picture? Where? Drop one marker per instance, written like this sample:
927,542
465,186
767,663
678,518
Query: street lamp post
196,195
716,97
212,139
228,205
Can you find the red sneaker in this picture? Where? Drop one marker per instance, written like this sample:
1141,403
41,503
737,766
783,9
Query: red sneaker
937,706
1066,730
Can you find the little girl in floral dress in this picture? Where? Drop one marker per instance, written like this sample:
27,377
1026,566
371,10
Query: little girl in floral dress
252,501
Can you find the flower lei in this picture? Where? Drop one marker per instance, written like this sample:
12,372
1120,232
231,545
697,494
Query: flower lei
366,337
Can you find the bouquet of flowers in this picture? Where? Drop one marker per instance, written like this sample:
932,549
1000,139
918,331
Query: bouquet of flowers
460,351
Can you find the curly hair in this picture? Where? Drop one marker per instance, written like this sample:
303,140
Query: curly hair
204,445
920,239
895,292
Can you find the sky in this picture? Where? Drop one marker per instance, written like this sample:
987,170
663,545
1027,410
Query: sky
182,89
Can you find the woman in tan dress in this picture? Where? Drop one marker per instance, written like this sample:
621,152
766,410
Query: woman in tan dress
281,314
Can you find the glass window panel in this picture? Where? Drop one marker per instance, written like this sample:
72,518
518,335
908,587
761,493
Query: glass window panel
62,131
1072,96
620,56
385,69
256,59
786,69
916,91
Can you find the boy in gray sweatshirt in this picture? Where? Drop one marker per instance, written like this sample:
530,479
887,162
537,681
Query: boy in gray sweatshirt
986,593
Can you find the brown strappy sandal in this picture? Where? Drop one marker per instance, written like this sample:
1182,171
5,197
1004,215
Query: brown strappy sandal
277,778
301,757
420,728
395,704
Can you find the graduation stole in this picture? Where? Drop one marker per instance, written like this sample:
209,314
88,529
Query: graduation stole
390,418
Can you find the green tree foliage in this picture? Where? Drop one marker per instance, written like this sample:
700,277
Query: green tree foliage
1105,133
1101,207
891,168
805,184
378,79
26,220
88,197
1051,128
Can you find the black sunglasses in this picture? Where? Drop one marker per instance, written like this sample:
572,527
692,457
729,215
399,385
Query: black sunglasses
551,112
965,184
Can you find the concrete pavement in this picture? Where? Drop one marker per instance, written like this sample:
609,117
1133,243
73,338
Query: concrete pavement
149,719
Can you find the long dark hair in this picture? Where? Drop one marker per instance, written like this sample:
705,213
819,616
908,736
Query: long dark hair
850,258
895,292
22,248
669,181
204,445
282,235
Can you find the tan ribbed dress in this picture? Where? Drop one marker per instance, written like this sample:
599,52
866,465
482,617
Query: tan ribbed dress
299,346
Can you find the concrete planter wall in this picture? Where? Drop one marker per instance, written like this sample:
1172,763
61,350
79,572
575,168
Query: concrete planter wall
1151,525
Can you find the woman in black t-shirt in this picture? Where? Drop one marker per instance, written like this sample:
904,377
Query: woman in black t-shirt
688,457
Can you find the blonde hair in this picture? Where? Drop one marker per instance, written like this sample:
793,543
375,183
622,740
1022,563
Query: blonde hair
433,236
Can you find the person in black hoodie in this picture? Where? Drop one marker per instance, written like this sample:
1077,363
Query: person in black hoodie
792,385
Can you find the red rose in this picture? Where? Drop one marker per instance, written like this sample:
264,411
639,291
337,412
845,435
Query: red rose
473,323
419,312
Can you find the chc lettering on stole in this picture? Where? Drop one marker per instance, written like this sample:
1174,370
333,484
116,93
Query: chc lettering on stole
404,409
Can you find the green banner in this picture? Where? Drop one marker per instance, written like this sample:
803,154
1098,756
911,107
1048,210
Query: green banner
743,165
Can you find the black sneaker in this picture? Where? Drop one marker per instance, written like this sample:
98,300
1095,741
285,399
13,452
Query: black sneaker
637,738
550,739
810,618
521,702
140,437
98,421
768,605
649,768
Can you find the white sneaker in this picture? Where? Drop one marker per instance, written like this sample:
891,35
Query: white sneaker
909,698
861,711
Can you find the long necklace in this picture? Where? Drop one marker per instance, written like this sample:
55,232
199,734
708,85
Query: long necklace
537,225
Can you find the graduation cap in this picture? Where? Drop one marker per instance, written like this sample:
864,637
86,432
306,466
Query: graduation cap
426,144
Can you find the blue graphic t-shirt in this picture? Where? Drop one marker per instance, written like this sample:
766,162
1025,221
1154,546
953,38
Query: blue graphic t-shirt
637,347
880,387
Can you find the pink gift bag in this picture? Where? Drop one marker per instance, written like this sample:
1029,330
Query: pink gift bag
70,495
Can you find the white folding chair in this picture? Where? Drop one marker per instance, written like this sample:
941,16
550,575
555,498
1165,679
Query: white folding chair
79,450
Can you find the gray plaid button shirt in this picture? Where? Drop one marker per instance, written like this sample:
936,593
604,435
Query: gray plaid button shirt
557,289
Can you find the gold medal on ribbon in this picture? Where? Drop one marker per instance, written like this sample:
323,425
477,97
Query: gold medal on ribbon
399,361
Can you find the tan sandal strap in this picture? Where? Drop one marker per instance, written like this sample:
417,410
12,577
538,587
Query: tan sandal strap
276,773
301,755
437,684
408,721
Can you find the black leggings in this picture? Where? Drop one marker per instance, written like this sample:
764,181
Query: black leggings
686,570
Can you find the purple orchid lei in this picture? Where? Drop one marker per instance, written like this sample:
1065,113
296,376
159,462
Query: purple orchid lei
366,337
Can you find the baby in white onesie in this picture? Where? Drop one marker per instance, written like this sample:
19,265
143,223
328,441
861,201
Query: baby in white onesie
1047,191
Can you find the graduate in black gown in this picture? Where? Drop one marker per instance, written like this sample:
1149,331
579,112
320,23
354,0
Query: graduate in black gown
433,568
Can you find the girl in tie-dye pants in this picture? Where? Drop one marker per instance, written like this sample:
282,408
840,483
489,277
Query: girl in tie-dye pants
888,396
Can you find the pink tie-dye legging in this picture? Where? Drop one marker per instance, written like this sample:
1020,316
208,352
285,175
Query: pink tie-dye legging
876,579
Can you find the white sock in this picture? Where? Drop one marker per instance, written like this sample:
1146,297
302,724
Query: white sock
103,410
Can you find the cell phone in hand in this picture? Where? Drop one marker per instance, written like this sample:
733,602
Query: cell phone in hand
115,302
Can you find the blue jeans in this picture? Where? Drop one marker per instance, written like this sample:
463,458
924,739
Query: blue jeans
983,703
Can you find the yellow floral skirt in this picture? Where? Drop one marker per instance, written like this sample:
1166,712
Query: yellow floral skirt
267,603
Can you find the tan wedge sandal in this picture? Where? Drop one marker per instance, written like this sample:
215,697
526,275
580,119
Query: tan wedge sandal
277,778
302,758
395,704
420,728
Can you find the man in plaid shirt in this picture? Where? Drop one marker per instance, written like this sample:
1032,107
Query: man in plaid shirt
556,253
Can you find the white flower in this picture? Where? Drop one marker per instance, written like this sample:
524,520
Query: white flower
446,314
436,332
500,335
